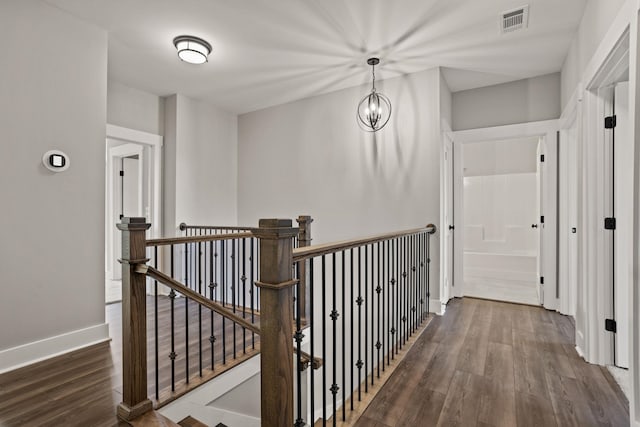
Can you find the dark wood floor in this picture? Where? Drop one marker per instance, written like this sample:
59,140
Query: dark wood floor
487,363
83,388
483,363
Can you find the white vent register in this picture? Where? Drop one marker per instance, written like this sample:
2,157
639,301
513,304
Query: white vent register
515,19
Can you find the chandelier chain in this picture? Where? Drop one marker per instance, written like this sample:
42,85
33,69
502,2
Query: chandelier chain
373,72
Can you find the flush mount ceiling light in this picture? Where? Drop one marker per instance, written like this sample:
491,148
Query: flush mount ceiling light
374,110
192,49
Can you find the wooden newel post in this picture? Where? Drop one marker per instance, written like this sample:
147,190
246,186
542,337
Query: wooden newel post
304,239
134,320
276,314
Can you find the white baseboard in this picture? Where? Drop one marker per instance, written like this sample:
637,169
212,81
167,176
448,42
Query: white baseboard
435,306
580,352
26,354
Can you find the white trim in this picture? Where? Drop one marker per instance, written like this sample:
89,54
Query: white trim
155,141
26,354
132,135
546,129
616,31
437,307
496,133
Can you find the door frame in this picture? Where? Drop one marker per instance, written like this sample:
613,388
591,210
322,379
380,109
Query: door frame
546,129
597,264
446,289
140,139
114,192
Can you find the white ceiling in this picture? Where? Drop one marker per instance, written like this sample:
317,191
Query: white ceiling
269,52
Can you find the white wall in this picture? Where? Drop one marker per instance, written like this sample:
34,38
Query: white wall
134,109
596,20
201,158
310,157
500,157
53,88
522,101
500,196
446,104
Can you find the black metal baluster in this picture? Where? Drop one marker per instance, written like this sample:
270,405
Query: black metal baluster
252,288
324,343
428,269
223,291
373,317
172,355
392,299
244,293
334,318
378,291
233,290
397,296
405,300
344,333
199,267
411,284
212,285
298,339
155,297
311,339
385,295
359,301
351,336
366,318
186,315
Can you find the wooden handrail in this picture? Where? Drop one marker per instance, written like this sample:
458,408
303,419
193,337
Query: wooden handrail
303,253
195,239
195,296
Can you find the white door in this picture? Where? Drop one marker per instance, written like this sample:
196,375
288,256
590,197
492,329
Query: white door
131,187
448,220
538,224
622,210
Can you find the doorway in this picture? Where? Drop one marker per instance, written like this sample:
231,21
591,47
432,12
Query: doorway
501,196
609,193
620,220
133,161
505,213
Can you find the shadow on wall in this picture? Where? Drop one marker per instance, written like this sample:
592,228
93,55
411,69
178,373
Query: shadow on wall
402,133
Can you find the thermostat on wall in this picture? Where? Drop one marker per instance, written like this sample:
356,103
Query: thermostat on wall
56,161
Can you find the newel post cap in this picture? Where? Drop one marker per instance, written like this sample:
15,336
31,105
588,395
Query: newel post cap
274,228
133,224
434,228
304,219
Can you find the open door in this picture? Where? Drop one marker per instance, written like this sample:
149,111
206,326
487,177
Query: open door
538,224
448,221
621,231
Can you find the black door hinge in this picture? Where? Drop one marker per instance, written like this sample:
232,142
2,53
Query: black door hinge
610,325
121,173
121,216
609,223
542,157
610,122
542,219
542,280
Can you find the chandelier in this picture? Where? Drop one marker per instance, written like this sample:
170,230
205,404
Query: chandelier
374,110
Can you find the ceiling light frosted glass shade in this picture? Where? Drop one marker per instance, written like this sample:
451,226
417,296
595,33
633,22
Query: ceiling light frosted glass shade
192,49
374,110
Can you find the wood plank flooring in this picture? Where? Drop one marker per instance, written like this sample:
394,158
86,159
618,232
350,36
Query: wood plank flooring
83,388
487,363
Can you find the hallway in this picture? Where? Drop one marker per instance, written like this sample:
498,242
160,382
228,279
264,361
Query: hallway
488,363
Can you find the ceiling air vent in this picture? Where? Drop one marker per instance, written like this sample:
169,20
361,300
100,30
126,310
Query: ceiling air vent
515,19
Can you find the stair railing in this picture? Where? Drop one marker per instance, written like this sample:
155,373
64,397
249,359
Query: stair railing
380,283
